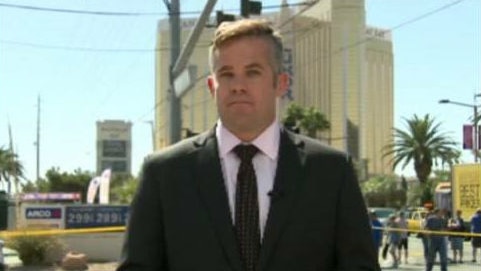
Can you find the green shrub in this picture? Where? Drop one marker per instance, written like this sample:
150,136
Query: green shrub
37,250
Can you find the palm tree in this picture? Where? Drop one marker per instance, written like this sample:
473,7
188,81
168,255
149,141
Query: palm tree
314,121
10,167
294,115
423,144
310,120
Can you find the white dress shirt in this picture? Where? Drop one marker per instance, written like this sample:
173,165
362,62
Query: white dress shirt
265,165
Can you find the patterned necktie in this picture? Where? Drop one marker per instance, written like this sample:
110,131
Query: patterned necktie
247,208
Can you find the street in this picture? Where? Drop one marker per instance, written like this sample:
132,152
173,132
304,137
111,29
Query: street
415,260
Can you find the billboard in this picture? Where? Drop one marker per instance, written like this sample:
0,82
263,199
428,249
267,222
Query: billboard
91,216
116,166
42,216
114,148
466,184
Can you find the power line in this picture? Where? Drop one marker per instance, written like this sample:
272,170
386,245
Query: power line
128,50
403,24
89,49
129,14
85,12
303,30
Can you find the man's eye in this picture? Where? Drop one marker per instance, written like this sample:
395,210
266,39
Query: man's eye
226,74
253,72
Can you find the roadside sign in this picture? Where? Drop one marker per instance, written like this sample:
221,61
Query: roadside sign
42,216
90,216
185,81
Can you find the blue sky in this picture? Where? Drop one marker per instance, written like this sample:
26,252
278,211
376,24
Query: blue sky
436,57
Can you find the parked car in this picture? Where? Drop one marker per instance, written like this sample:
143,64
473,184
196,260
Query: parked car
383,213
415,218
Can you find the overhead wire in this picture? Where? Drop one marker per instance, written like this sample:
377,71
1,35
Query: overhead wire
107,50
391,29
161,101
131,14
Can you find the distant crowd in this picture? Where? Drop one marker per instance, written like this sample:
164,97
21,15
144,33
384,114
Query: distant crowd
392,237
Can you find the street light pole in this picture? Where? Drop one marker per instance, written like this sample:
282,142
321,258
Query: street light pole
476,135
475,124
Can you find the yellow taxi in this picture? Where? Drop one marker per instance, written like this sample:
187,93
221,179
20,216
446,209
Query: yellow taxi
415,218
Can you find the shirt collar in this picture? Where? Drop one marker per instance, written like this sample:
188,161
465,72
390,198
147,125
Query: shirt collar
267,141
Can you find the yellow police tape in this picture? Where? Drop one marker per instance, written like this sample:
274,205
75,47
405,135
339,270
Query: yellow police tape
38,232
450,233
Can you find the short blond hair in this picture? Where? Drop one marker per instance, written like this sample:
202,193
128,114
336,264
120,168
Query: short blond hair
229,31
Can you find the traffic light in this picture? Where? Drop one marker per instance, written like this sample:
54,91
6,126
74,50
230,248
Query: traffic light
221,17
250,7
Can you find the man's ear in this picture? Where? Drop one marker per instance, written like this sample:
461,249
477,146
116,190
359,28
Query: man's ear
211,85
282,83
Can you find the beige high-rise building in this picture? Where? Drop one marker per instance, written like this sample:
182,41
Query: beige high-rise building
337,65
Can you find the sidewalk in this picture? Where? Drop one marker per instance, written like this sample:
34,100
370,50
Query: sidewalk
15,264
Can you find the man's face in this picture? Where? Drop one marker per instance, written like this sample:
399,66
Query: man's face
245,86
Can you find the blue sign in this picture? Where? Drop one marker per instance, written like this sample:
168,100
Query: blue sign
43,213
91,216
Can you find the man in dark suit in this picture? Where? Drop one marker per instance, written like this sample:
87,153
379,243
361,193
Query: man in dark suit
248,195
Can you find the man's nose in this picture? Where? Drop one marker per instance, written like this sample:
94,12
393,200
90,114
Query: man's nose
238,84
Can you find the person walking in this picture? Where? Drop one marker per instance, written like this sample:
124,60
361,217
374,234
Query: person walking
476,228
377,231
248,195
393,239
436,241
456,225
403,242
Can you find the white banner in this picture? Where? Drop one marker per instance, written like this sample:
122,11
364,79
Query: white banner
105,186
92,190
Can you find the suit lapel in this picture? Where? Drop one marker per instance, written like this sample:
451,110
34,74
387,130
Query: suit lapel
213,193
288,179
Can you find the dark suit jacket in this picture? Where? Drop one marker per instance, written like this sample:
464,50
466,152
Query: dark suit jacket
180,219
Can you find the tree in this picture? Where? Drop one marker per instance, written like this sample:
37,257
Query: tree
313,121
10,168
122,186
383,191
124,192
294,115
310,120
423,144
57,181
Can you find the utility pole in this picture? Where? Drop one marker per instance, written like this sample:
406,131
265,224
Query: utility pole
178,61
37,143
476,133
174,105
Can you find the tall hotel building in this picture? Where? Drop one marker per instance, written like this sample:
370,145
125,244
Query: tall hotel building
337,64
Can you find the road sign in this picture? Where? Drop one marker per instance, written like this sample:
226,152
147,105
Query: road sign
185,81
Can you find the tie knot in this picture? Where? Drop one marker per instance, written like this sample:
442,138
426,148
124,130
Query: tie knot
245,152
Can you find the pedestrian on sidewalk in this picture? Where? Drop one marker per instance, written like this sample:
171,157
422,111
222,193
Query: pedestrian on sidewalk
393,238
456,224
403,242
376,231
476,228
436,241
